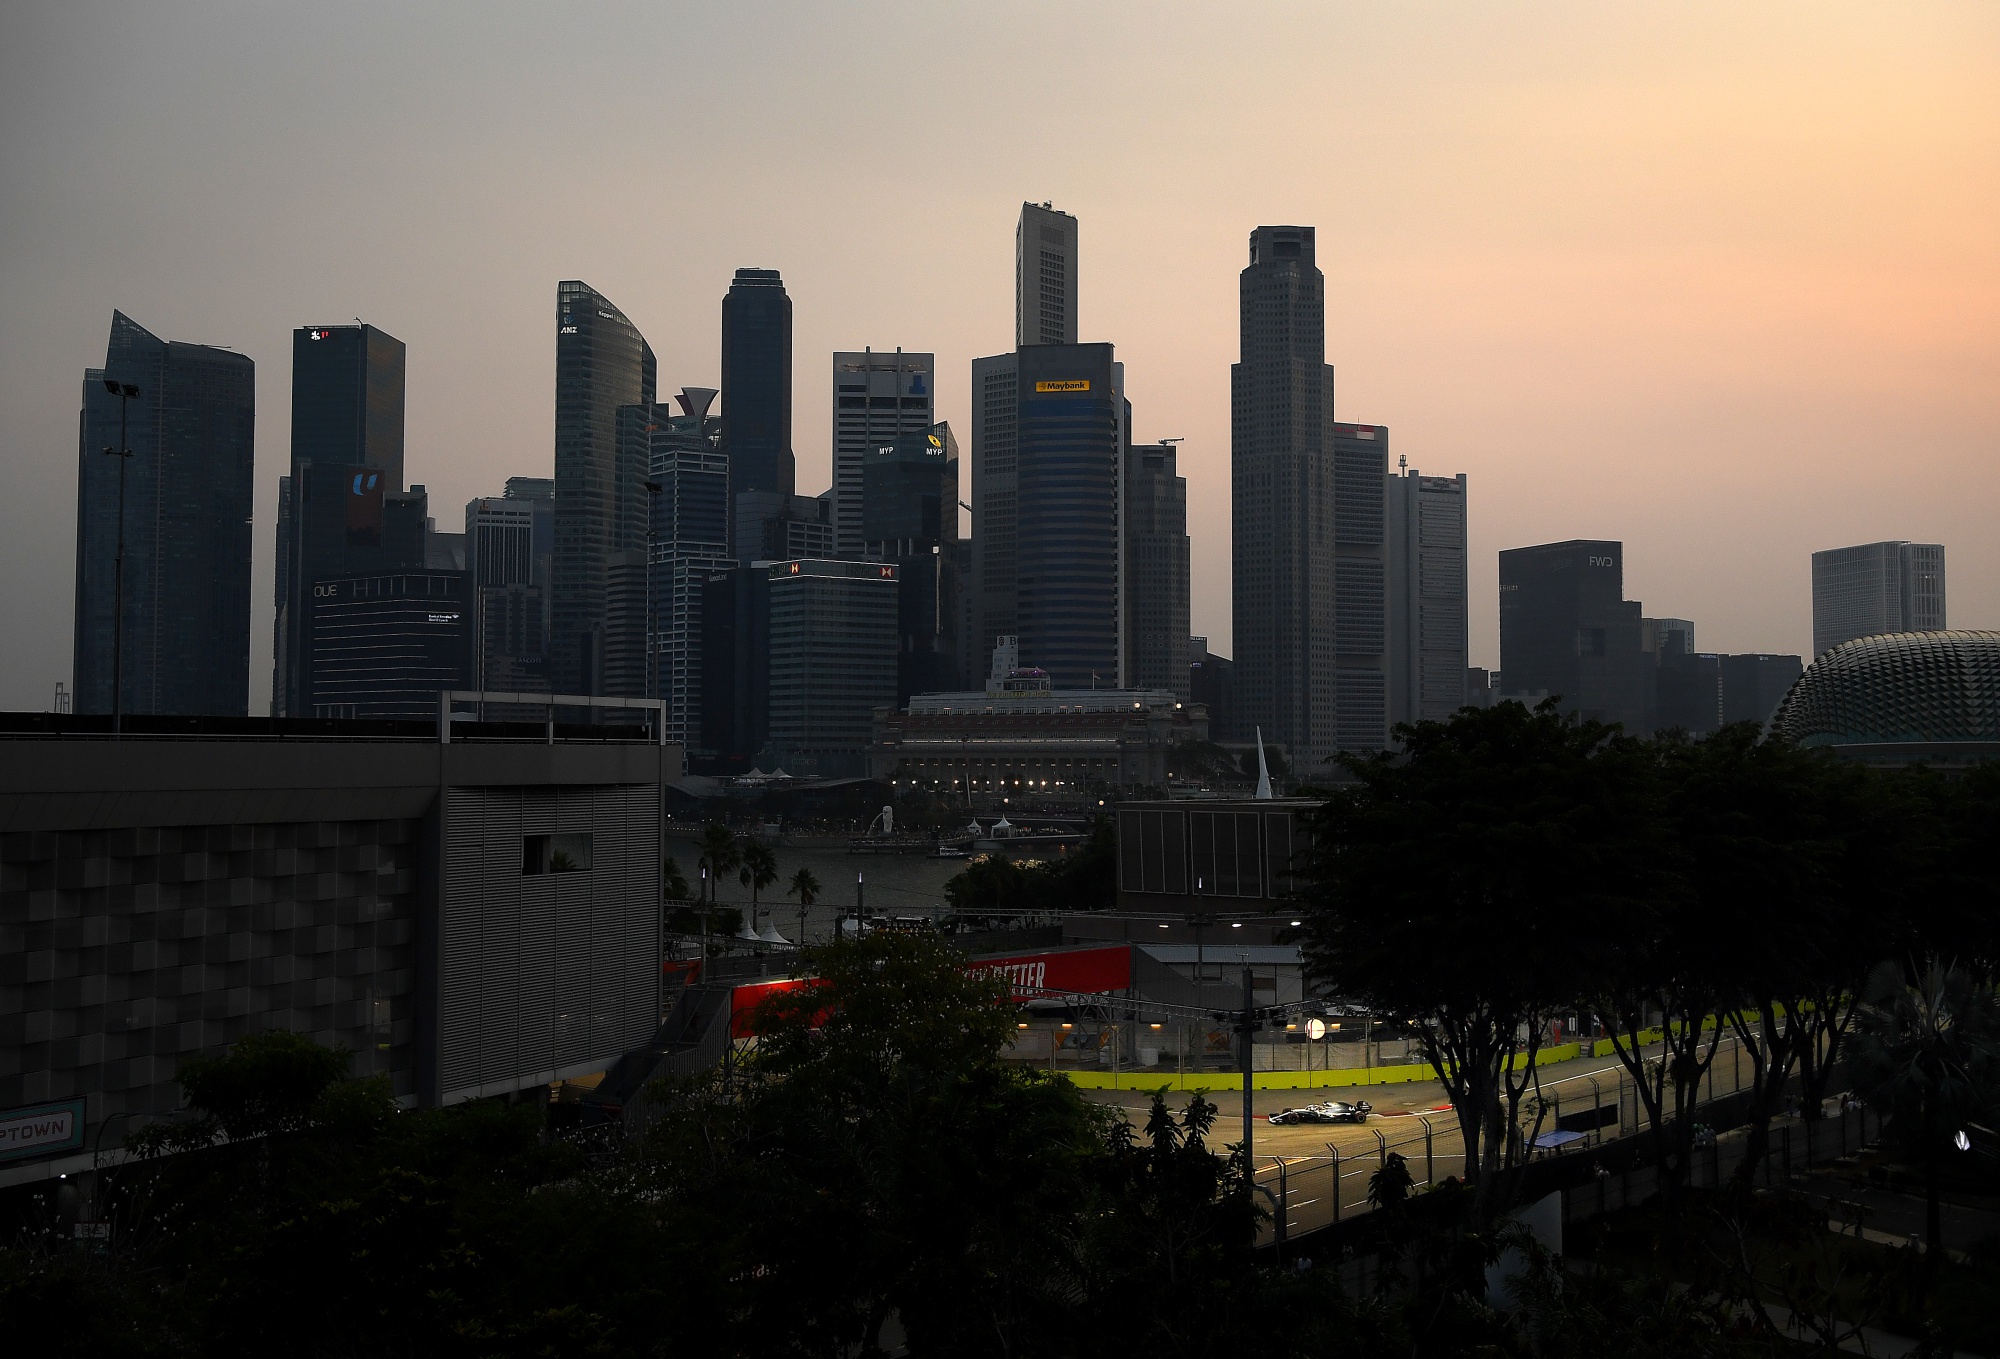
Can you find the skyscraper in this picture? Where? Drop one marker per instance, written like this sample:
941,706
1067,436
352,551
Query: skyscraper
185,644
1155,610
1044,277
1282,483
757,402
832,661
690,543
602,363
510,543
1428,609
345,511
1070,439
1360,586
877,395
385,646
909,517
996,399
1566,629
1896,586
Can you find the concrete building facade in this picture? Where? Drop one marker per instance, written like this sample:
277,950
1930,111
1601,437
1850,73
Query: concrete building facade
169,893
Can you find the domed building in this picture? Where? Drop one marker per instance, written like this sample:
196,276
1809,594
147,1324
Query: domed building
1900,698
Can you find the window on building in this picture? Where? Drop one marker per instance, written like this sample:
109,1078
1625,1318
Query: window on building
555,854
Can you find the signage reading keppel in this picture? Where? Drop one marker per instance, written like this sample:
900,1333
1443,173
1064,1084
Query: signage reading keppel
1063,385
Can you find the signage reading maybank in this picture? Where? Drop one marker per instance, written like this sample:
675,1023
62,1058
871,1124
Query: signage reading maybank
1063,385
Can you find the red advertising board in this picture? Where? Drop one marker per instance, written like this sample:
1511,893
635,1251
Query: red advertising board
1081,971
1033,976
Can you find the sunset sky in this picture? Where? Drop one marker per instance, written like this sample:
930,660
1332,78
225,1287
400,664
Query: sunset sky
1721,281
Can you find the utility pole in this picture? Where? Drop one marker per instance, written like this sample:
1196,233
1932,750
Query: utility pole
1247,1026
124,391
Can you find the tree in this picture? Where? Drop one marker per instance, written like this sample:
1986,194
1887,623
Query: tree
1926,1052
1661,974
1810,862
807,889
719,854
876,1113
760,870
1456,885
673,884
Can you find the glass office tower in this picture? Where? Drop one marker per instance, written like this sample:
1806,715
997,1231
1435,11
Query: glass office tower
186,633
757,383
346,473
602,363
1069,438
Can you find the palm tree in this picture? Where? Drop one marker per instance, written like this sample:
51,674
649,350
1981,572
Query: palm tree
719,854
1926,1050
760,870
806,888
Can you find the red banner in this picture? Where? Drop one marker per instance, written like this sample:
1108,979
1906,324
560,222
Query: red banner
1083,971
1034,976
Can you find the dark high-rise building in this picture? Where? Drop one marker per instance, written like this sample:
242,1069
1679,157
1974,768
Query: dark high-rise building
187,504
757,383
343,503
690,543
384,646
1069,445
994,584
1212,682
1282,482
1566,629
510,541
1156,571
878,395
602,363
909,516
735,666
1428,608
1754,683
832,661
1360,586
1044,277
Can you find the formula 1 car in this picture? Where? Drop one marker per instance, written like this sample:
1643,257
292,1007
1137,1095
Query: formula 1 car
1333,1111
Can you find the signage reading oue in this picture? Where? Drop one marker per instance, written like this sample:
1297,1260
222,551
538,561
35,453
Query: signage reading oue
1063,385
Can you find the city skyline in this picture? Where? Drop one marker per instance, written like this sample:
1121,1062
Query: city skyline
1711,387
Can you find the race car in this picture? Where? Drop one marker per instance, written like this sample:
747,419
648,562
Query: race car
1333,1111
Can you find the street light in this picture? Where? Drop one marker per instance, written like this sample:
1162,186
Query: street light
124,391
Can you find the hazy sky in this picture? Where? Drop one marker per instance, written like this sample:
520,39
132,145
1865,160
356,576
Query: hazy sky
1722,281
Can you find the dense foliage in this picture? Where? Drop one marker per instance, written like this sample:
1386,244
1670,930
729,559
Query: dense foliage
1508,866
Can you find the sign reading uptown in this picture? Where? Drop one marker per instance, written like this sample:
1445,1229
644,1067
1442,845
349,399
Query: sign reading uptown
41,1128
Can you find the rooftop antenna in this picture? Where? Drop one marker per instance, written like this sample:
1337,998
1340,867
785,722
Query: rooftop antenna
1263,770
1402,462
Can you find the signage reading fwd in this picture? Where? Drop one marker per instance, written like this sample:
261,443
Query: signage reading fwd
1063,385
